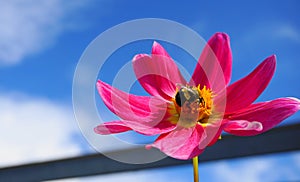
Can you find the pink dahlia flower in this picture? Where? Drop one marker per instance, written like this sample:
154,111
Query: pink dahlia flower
188,116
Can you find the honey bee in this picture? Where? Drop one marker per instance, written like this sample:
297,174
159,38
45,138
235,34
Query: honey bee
189,95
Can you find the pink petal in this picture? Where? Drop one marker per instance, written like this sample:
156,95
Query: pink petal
246,90
140,127
158,74
111,128
157,49
214,65
147,128
243,125
129,106
182,143
246,122
143,114
215,131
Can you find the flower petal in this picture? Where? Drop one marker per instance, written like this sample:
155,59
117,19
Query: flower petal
143,114
214,64
111,128
140,127
182,143
243,125
157,49
129,106
158,74
147,128
215,131
246,122
246,90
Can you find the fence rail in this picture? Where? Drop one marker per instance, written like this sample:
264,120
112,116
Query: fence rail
281,139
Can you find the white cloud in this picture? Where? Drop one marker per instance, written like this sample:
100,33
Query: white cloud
35,130
30,26
287,32
252,170
296,158
275,167
271,31
38,129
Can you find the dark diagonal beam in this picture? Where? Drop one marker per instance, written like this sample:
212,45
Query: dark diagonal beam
281,139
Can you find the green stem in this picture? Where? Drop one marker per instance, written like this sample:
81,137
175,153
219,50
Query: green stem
195,166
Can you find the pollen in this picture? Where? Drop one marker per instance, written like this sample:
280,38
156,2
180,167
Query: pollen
193,105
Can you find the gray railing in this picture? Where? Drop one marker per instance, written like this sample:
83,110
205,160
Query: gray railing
281,139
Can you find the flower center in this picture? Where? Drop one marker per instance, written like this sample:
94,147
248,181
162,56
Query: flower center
193,105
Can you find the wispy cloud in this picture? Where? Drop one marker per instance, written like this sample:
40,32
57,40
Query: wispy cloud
296,158
276,31
29,26
248,171
287,31
35,130
276,167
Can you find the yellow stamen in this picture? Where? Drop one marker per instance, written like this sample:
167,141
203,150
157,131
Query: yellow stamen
191,105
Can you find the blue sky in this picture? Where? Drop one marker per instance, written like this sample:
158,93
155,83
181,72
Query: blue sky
41,43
